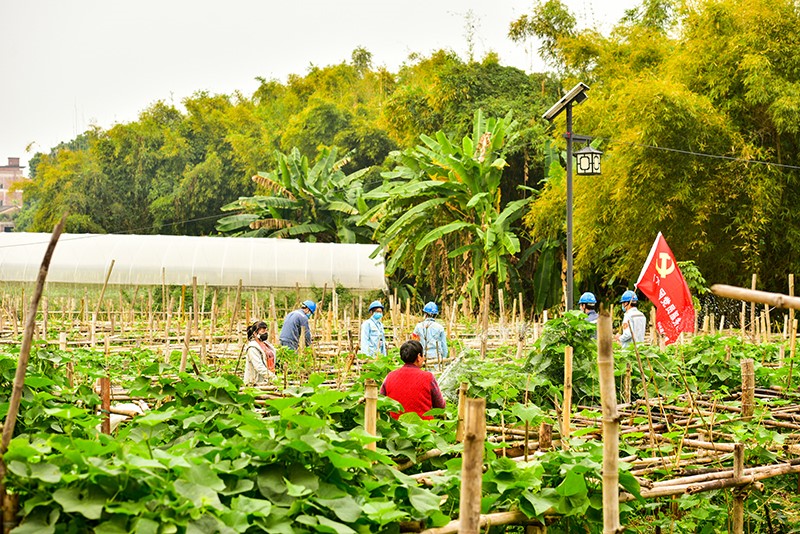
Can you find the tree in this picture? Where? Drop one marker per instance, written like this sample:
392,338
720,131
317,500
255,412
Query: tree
320,203
681,100
440,214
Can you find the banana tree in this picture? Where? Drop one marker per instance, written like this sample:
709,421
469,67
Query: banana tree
320,203
440,214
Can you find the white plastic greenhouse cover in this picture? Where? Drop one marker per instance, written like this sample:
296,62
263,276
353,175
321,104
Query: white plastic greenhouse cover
216,261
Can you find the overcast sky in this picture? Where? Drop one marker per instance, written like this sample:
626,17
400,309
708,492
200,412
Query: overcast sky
68,64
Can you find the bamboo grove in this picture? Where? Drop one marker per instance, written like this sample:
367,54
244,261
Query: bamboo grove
447,161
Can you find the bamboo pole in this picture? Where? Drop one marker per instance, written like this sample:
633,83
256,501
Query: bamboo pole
105,406
792,350
742,323
103,290
371,411
234,313
791,317
776,300
753,312
93,330
472,466
62,346
522,329
767,326
195,310
24,355
626,384
567,407
545,436
608,399
738,498
185,351
462,398
748,388
150,317
45,313
486,520
485,319
502,310
214,310
749,477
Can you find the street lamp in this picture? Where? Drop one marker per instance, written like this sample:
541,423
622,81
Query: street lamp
588,161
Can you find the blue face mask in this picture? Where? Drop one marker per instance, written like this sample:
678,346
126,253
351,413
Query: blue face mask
377,316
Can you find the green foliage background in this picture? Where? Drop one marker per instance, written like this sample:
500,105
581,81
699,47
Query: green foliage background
684,95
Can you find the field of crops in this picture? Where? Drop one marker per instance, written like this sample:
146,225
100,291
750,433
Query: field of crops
295,456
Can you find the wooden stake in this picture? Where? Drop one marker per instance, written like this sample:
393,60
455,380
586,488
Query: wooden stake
185,352
45,313
608,399
753,312
105,406
62,346
767,326
626,386
462,407
742,322
748,388
792,348
237,303
502,310
93,331
103,291
371,411
472,466
485,319
738,496
567,406
545,436
167,322
182,304
194,304
273,318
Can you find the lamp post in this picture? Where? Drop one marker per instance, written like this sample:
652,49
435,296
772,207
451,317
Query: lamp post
588,163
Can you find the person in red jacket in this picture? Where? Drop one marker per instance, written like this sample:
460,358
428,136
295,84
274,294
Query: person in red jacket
412,387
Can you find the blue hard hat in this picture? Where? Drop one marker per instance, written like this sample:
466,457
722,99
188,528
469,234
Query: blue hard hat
587,298
629,296
311,305
375,304
431,308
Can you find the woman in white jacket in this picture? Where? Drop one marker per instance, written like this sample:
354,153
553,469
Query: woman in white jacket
261,355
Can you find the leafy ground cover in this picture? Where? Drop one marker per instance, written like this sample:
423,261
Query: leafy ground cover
211,457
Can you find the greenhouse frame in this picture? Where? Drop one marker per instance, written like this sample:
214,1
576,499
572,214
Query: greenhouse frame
175,260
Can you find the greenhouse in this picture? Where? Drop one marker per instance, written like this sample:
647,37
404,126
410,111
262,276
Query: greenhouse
175,260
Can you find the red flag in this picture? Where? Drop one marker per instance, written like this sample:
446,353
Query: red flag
662,282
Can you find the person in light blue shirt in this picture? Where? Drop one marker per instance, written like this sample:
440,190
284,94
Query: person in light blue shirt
634,323
431,334
373,338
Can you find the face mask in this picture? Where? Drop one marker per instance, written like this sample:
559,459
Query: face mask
308,315
377,316
264,336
